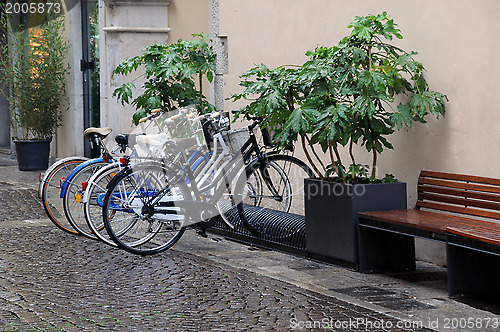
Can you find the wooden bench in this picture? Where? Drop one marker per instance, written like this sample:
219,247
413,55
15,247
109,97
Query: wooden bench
462,211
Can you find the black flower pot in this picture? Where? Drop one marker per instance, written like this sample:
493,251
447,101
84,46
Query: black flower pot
332,215
33,155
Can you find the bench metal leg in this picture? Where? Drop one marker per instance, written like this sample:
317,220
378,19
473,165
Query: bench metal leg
472,273
381,251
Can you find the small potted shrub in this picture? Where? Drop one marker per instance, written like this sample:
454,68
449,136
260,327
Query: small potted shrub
173,76
344,96
35,72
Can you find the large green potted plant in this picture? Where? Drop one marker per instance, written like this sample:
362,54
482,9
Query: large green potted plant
341,97
33,66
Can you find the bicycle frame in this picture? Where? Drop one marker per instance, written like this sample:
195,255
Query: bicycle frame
210,189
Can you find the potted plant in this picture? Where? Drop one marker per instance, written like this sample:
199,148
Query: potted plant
35,71
173,76
344,96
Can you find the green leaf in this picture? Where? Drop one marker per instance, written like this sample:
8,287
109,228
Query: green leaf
210,76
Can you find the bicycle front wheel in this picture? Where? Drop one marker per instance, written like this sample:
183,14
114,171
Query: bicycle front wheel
139,210
277,184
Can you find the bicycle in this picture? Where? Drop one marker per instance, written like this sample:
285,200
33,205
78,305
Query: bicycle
53,179
147,207
95,188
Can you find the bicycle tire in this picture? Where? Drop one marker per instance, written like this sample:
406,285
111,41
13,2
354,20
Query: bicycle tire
94,198
253,200
50,192
73,194
124,213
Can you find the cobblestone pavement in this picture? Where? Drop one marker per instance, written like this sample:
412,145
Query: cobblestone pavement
19,203
54,281
50,280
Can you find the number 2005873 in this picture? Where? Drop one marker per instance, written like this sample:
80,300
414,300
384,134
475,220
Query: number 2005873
17,7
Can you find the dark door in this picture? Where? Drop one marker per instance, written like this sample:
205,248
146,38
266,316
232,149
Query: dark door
90,67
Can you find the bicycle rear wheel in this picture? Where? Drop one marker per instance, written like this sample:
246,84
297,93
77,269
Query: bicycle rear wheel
277,184
50,192
130,209
94,200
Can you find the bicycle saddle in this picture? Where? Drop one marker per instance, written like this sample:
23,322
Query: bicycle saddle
93,131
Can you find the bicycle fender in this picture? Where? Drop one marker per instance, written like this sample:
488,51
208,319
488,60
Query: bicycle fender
48,172
75,171
93,178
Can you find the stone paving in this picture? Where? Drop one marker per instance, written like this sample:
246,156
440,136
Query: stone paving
55,281
50,280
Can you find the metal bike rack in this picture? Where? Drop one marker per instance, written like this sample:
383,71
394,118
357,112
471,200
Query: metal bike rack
280,230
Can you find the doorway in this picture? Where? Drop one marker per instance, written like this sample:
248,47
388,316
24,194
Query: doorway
90,67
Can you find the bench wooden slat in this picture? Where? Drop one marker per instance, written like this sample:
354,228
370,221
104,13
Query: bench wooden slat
458,192
425,220
460,201
489,235
459,209
460,177
460,185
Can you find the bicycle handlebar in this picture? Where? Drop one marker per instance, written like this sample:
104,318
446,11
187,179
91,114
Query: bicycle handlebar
212,115
150,116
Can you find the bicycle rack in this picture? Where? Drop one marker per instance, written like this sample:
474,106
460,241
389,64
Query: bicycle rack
280,229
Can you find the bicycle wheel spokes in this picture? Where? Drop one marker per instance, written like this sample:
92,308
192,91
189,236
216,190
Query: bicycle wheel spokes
278,186
73,198
131,211
95,198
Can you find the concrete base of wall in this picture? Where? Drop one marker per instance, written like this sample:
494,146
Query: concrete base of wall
430,251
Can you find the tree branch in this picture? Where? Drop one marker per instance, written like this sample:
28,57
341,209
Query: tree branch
351,153
308,156
374,165
315,154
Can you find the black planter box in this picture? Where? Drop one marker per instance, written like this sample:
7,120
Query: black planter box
332,215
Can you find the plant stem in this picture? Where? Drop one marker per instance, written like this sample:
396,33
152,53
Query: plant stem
308,156
374,166
351,153
336,150
200,79
332,158
315,154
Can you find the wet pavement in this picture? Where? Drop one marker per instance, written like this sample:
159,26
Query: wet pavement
50,280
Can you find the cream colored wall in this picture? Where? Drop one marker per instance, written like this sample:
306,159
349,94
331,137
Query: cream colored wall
186,17
458,43
68,140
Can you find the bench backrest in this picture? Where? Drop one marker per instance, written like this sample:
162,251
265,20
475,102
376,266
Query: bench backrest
466,194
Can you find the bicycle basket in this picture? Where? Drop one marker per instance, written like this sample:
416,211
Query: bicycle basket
236,138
